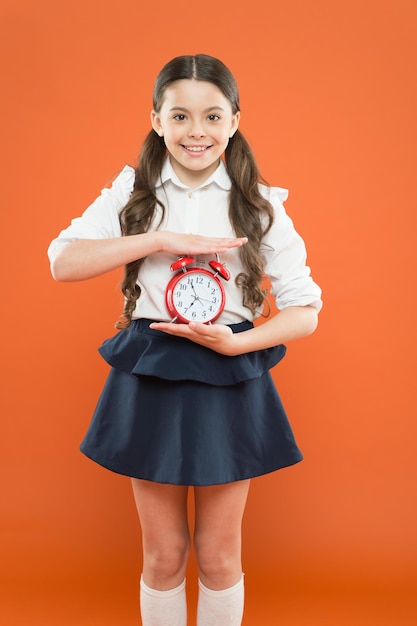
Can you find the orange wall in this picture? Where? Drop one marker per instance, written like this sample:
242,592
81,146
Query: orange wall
328,94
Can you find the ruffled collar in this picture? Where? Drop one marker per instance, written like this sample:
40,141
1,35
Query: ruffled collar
220,177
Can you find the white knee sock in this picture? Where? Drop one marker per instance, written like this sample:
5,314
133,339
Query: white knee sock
163,608
220,608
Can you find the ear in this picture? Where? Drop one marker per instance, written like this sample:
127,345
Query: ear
156,123
235,123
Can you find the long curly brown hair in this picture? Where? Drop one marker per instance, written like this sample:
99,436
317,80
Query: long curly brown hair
249,211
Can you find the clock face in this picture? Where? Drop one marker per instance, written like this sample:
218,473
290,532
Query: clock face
195,296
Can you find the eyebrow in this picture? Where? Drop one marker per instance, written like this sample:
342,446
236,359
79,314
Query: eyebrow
214,108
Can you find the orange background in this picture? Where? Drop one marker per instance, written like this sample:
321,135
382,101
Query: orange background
328,94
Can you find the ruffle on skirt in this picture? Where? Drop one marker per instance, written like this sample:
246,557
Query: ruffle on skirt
175,412
143,351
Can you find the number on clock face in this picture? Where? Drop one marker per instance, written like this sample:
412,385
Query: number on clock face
195,295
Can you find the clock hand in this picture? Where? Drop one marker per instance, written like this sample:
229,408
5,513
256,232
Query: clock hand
196,297
206,300
189,307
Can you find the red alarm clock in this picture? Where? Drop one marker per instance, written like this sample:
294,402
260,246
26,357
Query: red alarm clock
195,294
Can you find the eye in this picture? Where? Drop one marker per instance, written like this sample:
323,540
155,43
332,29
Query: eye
179,117
213,117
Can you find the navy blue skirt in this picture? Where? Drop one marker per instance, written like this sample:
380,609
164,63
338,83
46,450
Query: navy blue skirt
174,412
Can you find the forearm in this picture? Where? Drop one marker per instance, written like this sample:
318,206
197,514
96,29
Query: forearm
87,258
292,323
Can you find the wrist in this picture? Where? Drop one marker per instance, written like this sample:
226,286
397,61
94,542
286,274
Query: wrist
157,240
147,243
237,344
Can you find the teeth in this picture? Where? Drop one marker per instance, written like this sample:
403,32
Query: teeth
196,148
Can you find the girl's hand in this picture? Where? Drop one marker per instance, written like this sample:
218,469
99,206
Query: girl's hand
177,243
217,337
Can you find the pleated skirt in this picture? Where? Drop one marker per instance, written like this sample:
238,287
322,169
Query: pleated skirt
174,412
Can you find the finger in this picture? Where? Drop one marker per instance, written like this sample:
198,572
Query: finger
193,331
201,329
175,329
180,330
210,333
236,242
168,327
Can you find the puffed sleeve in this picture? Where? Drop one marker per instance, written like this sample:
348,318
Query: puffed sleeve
101,219
285,259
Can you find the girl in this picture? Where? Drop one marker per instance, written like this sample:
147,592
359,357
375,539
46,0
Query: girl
189,400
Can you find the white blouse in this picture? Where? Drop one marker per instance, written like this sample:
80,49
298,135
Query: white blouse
201,211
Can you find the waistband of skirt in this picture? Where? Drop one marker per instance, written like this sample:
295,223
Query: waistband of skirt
143,351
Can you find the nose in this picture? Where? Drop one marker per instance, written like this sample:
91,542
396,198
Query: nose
196,129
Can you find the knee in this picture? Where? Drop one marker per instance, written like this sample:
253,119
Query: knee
219,561
167,561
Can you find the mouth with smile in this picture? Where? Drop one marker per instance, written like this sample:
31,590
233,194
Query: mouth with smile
195,149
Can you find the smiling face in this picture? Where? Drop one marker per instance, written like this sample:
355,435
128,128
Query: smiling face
196,121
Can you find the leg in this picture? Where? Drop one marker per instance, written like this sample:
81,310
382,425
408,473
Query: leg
218,533
162,512
219,512
163,516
